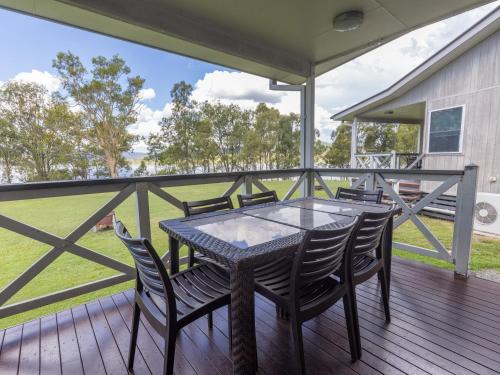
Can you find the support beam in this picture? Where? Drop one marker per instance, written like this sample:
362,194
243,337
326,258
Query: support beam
354,142
307,138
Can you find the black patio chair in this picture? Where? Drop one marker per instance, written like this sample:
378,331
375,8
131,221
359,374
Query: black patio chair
359,195
170,303
201,207
368,257
246,200
305,287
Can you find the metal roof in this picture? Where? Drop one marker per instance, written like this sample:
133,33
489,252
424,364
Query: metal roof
467,40
286,40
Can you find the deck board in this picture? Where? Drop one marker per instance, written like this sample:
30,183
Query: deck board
439,326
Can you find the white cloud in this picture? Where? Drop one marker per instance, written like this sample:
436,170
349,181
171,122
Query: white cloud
378,69
147,94
147,123
46,79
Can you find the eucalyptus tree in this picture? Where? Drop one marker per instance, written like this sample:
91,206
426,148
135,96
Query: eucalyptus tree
40,134
179,129
9,150
339,153
109,96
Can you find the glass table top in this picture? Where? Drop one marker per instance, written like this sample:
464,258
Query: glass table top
299,217
337,207
241,230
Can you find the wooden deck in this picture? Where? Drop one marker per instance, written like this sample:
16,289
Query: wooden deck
439,326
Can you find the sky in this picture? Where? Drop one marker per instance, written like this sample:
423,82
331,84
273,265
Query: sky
28,56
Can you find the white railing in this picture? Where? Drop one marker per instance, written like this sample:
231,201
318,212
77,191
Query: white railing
386,160
161,187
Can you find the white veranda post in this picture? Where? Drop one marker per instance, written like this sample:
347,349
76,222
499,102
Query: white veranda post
307,137
354,142
306,129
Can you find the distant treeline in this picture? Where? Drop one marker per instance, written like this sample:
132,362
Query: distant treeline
81,131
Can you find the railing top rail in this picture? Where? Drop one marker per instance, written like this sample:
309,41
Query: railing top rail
178,178
428,172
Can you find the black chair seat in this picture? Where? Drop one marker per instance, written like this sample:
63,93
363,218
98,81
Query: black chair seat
196,289
360,263
273,282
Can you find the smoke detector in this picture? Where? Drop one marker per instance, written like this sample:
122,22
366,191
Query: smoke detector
348,21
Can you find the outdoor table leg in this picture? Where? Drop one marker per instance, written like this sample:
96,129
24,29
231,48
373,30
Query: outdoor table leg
243,320
173,246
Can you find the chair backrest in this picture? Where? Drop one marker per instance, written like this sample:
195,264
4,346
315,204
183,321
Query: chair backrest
207,205
151,273
359,195
322,253
246,200
369,234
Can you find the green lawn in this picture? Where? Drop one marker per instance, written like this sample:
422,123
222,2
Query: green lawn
61,215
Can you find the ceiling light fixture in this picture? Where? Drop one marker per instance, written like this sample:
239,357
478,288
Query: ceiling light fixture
348,21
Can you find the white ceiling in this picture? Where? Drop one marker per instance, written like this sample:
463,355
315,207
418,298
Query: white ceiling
281,39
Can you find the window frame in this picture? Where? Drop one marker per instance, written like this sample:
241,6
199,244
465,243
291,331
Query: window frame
461,138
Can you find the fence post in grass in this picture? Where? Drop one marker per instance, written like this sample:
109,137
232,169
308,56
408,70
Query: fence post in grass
464,221
142,210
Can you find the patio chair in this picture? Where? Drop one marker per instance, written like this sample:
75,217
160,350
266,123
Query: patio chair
305,286
368,257
359,195
246,200
170,303
201,207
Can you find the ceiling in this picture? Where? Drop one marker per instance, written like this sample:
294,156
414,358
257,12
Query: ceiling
286,40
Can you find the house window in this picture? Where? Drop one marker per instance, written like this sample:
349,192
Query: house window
445,130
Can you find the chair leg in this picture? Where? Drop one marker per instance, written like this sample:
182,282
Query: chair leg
384,286
190,257
298,344
352,292
169,356
229,328
133,336
210,320
351,324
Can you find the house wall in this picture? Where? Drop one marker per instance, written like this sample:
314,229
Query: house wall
472,80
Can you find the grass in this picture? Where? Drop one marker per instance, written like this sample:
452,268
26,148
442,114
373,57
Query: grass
63,214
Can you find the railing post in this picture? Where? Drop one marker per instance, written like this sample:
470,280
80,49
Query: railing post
309,184
371,181
464,221
394,161
246,186
142,210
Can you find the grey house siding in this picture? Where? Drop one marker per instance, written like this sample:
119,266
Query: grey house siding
471,80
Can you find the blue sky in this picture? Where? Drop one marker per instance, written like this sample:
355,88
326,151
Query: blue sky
40,41
28,56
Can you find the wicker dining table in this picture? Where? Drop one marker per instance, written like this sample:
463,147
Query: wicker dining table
244,238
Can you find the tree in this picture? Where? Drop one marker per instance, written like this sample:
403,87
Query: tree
109,108
9,150
228,124
41,131
142,170
178,130
286,152
377,137
406,138
155,148
339,153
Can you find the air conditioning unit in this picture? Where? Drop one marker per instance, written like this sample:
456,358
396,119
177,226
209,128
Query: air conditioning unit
487,213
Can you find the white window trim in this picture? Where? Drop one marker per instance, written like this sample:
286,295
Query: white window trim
461,141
